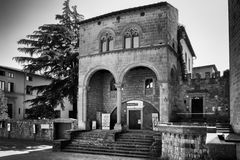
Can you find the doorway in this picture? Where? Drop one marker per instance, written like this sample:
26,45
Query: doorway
135,119
197,107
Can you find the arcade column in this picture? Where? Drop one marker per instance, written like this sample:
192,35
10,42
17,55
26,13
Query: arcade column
118,125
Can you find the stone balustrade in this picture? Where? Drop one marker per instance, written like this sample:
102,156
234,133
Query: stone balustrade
183,142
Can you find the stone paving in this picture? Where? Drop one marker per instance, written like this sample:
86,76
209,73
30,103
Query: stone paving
11,149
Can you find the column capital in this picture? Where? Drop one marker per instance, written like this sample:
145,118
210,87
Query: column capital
118,85
160,83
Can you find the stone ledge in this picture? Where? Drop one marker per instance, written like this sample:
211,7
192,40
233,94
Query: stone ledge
182,129
233,138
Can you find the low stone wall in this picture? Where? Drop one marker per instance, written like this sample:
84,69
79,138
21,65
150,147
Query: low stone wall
183,142
38,130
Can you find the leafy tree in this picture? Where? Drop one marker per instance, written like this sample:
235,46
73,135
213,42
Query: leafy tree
52,51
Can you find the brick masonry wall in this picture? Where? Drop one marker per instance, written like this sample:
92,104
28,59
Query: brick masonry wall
147,116
95,96
134,86
234,45
183,142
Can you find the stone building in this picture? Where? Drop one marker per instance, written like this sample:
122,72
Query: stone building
133,65
130,60
16,85
203,98
208,71
234,46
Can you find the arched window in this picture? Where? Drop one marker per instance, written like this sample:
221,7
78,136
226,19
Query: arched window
148,83
106,42
103,44
112,85
131,38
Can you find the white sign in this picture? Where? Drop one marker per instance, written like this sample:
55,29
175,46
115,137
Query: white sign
94,125
139,121
154,120
45,126
34,128
8,127
105,121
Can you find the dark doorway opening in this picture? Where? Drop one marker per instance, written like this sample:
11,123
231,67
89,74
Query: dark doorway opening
10,110
60,129
113,118
197,107
134,119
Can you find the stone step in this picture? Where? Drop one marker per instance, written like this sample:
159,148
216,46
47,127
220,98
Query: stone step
113,147
132,136
134,143
224,130
107,153
118,139
117,143
130,144
107,150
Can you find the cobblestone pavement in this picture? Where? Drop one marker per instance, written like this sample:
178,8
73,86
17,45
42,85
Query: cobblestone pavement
11,149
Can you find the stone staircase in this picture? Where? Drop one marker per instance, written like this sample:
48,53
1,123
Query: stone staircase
141,144
223,128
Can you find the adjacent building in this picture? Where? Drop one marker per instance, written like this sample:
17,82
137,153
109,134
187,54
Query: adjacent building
16,85
203,98
208,71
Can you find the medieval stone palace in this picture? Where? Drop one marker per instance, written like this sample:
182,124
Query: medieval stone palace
132,64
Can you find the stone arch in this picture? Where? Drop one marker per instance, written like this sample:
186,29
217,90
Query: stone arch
108,33
145,113
93,70
131,35
131,66
104,30
139,99
132,25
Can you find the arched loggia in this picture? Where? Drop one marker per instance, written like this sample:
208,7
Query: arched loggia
94,97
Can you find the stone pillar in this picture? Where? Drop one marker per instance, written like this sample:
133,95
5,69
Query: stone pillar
164,110
118,125
82,107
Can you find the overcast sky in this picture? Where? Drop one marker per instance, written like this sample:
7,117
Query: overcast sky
206,22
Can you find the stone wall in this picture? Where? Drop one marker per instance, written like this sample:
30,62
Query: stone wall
215,93
183,142
157,25
95,96
23,129
234,46
134,86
